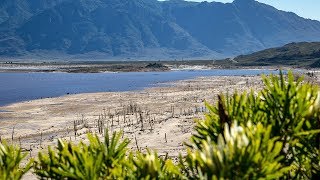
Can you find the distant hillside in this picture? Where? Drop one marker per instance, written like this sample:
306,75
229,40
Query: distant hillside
302,54
147,29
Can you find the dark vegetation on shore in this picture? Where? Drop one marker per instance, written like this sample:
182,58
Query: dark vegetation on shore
117,67
100,66
302,55
274,134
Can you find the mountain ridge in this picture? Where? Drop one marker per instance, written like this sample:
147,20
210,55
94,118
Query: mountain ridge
302,54
147,29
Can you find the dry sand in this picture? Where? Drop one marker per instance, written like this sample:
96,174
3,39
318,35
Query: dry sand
168,114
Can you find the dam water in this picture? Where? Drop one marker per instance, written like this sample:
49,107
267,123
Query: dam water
17,87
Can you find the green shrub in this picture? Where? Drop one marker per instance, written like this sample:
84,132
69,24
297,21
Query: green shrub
289,107
93,161
151,166
240,152
11,158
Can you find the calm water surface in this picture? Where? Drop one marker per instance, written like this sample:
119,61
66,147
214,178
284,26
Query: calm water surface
16,87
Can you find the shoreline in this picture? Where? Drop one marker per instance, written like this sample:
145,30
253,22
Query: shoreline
120,66
166,111
134,83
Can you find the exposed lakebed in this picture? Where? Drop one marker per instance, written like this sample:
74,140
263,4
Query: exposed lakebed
17,87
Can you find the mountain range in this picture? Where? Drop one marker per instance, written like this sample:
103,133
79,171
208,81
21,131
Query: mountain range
146,29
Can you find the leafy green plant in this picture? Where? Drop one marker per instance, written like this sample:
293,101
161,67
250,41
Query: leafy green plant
11,159
151,166
93,161
239,153
289,106
238,107
292,107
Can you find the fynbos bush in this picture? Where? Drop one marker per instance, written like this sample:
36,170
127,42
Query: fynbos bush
11,159
95,160
240,152
151,166
289,108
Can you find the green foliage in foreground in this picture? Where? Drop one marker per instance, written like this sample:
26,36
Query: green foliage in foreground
150,166
102,160
10,159
272,134
247,152
94,161
288,106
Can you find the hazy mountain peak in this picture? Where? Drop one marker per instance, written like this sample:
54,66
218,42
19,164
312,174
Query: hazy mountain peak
243,1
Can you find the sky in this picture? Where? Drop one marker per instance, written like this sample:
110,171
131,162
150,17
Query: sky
305,8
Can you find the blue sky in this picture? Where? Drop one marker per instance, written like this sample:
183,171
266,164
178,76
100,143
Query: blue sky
305,8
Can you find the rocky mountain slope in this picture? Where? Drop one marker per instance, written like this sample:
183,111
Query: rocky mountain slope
146,29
